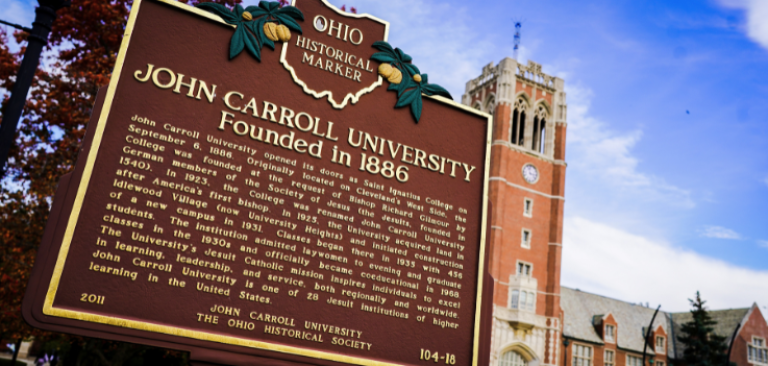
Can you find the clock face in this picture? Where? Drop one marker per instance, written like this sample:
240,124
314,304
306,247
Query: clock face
530,173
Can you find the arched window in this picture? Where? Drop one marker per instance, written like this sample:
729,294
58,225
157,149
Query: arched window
490,105
512,358
539,130
517,135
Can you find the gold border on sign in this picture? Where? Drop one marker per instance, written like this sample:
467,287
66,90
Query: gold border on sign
483,229
349,97
82,188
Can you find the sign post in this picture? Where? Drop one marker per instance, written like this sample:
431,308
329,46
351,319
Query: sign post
275,184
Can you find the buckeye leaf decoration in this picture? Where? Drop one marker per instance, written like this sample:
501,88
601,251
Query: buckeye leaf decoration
405,78
250,25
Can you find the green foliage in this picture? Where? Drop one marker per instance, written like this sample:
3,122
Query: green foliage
409,91
702,346
249,34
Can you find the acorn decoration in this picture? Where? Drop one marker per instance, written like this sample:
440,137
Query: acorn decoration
277,32
270,30
256,26
385,70
396,76
392,74
283,33
393,64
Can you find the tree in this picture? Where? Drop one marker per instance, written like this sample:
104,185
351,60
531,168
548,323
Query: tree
82,50
702,346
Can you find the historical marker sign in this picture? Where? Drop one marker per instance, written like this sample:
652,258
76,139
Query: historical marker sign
251,185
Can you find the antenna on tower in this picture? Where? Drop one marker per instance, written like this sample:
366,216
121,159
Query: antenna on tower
518,25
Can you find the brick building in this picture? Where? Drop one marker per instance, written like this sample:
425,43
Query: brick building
532,314
526,188
606,332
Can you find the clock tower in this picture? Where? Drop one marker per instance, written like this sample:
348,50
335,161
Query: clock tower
527,193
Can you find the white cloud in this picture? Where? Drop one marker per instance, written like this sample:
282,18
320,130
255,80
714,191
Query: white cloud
765,181
719,232
757,13
763,243
604,260
443,41
604,157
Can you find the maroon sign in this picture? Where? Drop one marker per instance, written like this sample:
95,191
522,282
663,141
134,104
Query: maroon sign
271,202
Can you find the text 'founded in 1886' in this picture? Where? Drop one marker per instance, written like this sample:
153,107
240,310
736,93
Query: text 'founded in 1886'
259,179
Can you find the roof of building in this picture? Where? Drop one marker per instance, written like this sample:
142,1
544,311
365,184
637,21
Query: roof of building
726,323
580,308
583,310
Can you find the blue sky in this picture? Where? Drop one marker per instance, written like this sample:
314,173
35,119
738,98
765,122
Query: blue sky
667,182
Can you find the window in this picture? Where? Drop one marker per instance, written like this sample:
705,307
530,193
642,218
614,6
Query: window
660,343
582,355
756,351
523,269
528,207
512,358
529,301
539,130
610,333
659,363
523,300
526,239
634,361
518,122
609,358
